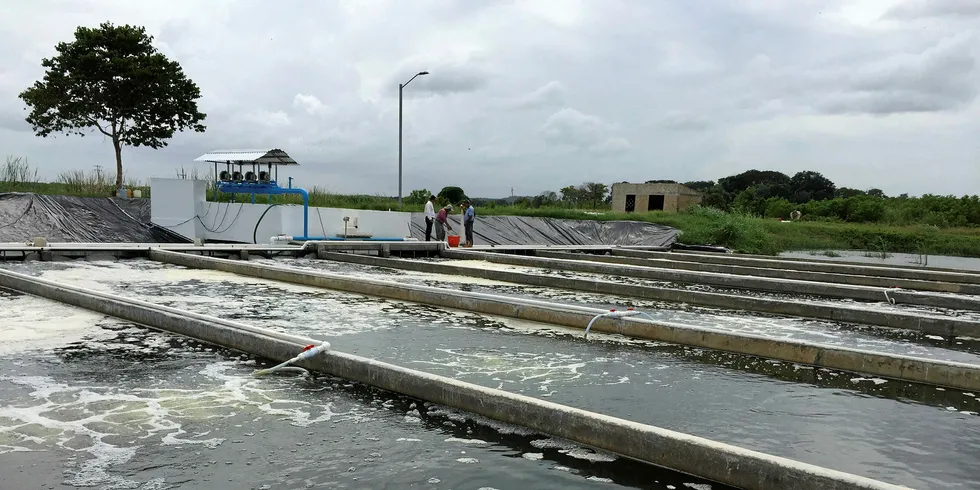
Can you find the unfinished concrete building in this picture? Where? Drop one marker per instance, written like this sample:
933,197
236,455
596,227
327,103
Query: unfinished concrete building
640,198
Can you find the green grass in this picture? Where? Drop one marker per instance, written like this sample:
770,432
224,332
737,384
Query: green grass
701,226
17,175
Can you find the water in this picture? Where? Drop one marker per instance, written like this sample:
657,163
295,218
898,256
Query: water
111,405
883,305
790,328
915,435
966,264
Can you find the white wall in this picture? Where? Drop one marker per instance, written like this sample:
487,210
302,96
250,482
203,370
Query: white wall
235,222
178,203
329,222
175,202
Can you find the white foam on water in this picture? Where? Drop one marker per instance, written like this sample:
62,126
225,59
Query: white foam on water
599,479
31,324
82,418
467,460
698,486
590,455
541,369
572,449
458,416
533,456
467,442
877,381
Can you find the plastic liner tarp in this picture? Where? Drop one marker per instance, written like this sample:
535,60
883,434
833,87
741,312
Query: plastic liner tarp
24,216
518,230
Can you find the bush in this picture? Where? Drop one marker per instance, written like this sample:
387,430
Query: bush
777,207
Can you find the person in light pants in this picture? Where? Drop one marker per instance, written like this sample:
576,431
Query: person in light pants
430,217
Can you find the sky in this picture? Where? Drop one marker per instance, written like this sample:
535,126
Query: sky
536,95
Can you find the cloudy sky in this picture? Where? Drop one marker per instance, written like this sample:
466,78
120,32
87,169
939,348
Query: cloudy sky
535,95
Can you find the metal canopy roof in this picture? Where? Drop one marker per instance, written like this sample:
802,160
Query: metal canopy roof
274,156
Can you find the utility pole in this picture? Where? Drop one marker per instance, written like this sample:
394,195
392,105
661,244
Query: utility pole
401,88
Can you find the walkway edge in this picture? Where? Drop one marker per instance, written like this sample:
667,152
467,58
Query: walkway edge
708,459
833,267
632,257
571,262
905,368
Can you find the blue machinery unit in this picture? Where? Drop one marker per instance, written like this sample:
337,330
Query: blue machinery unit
232,181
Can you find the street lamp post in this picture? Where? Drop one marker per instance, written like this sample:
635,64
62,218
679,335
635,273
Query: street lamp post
401,87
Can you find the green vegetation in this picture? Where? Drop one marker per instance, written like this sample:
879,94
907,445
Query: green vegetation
699,225
749,234
112,80
17,175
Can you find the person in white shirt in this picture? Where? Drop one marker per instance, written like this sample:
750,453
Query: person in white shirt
430,217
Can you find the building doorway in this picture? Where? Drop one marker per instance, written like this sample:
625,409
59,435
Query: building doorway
630,203
656,203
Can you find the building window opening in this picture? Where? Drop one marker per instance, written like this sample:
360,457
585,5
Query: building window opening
656,203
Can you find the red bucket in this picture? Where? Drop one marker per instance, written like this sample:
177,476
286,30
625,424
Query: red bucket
453,240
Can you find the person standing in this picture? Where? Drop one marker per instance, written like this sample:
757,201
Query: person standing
442,222
430,217
469,216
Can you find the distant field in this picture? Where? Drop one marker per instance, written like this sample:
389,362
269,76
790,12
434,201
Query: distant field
702,226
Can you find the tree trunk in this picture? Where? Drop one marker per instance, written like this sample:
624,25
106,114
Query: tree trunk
119,173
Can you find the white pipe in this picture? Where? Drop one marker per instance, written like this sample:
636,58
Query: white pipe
616,314
308,353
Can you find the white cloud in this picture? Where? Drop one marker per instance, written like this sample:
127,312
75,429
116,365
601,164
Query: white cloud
613,144
538,91
268,119
549,94
310,104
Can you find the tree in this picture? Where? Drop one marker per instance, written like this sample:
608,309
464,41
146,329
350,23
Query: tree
418,196
451,195
594,192
811,186
546,198
716,197
846,192
700,185
571,195
755,178
112,80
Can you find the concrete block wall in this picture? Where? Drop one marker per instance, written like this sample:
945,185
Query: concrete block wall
178,203
676,196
